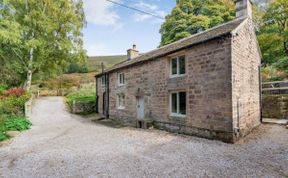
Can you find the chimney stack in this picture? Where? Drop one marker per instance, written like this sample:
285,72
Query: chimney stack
132,53
243,8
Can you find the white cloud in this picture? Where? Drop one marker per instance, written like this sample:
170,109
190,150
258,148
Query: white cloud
100,12
146,6
151,8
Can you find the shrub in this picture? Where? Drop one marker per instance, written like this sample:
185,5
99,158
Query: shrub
17,123
3,136
77,68
2,88
14,92
13,105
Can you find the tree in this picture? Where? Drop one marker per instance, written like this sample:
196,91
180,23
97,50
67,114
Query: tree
278,11
50,32
191,16
273,34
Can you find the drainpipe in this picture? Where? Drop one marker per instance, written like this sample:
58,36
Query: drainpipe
260,92
97,98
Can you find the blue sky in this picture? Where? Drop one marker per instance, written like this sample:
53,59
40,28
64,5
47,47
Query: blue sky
112,29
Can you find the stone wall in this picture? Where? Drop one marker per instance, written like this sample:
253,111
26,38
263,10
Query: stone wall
221,84
207,84
28,107
275,106
246,60
83,107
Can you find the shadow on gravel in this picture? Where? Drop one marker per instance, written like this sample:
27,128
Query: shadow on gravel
109,123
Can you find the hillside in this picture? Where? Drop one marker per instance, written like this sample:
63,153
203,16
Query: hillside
94,63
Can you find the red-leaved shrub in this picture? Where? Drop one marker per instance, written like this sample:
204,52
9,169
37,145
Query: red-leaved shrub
14,92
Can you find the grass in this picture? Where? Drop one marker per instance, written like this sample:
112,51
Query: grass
71,99
94,63
85,93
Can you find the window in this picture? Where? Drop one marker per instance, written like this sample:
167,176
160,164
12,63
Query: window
121,79
178,66
103,81
121,101
178,104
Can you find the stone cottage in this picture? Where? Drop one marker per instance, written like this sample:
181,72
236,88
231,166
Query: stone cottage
206,85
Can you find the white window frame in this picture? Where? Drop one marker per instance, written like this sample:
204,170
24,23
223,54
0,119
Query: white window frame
178,67
119,106
178,104
119,79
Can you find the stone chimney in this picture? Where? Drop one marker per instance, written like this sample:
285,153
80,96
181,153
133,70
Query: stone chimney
132,53
243,8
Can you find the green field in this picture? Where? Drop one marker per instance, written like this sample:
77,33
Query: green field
94,63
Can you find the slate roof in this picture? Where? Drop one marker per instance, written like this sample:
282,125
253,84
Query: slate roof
204,36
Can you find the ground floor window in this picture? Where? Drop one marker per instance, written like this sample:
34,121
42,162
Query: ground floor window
121,101
178,103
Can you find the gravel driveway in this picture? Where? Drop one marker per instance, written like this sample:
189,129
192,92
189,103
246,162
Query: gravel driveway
63,145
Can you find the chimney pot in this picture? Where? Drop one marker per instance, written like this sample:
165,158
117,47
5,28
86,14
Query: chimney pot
132,53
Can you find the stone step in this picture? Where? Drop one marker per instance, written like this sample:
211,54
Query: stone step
275,121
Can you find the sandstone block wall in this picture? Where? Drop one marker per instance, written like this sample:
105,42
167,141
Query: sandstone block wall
275,106
246,60
83,107
207,83
221,84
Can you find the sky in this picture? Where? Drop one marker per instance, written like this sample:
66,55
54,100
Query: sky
112,29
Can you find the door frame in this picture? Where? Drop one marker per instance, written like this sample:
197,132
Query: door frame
140,100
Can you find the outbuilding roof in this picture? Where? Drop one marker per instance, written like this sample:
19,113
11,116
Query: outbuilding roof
188,42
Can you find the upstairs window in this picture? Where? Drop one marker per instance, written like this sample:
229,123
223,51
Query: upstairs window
178,66
121,101
178,103
121,79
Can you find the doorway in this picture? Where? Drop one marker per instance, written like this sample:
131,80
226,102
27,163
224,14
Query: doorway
104,103
140,108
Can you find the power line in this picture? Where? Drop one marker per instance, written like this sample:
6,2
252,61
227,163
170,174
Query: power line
138,10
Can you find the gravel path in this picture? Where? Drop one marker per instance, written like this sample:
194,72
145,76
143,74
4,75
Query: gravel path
63,145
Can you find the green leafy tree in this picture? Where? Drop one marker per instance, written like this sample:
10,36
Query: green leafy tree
192,16
50,32
273,34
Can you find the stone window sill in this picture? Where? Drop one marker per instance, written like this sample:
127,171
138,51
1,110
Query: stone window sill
178,116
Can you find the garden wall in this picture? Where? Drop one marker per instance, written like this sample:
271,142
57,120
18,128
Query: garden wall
83,107
275,106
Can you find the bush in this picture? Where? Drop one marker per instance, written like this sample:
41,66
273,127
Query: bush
17,123
3,136
14,92
13,104
2,88
77,68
